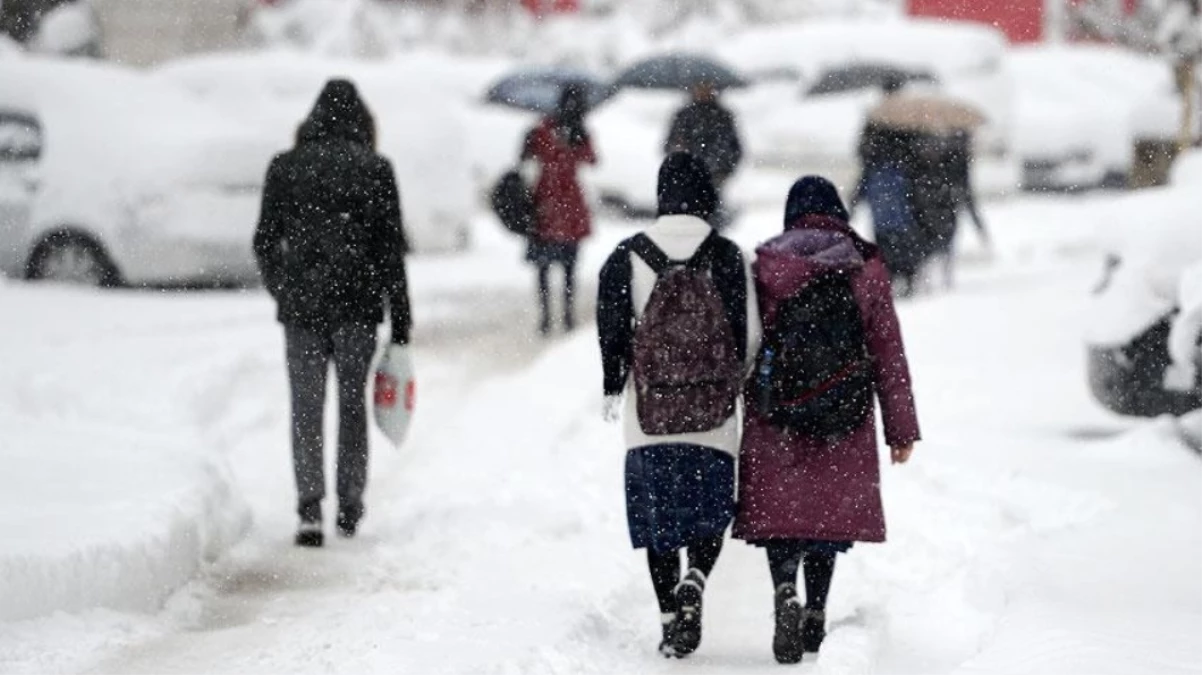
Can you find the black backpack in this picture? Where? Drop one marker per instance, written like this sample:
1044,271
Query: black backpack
513,202
814,373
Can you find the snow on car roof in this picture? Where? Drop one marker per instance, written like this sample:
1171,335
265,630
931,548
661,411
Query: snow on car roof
947,48
107,117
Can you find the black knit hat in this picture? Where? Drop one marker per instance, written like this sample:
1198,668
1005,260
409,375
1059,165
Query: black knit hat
685,187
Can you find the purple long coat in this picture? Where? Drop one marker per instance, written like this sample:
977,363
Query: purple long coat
795,487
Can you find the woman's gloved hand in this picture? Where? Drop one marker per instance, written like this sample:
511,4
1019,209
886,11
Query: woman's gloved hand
611,408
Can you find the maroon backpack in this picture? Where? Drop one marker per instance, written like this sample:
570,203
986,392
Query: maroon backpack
687,370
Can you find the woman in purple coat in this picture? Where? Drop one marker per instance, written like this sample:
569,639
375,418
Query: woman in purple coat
804,498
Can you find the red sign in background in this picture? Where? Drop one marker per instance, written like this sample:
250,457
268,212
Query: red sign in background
544,7
1020,20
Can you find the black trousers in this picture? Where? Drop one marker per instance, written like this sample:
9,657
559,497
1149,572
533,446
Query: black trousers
351,348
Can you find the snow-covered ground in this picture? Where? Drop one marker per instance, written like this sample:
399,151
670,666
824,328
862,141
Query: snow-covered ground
1033,532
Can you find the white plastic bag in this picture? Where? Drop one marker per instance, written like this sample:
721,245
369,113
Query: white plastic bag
394,393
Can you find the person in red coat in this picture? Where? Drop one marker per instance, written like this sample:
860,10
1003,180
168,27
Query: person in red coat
804,498
560,143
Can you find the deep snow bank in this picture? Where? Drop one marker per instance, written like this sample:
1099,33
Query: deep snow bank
108,497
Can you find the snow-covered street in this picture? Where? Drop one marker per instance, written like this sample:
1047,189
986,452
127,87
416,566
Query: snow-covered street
1033,532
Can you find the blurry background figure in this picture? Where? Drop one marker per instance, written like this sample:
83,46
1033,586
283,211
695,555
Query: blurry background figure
560,143
915,153
942,187
886,184
331,247
706,129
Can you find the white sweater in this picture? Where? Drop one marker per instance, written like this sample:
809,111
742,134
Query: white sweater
679,237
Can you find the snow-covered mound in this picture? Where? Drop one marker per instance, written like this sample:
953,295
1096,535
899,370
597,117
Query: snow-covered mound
1156,239
71,28
108,497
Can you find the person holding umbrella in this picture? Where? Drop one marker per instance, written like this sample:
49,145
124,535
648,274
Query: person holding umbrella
913,187
559,144
943,188
706,129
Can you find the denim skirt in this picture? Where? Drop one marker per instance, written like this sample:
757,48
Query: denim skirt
678,494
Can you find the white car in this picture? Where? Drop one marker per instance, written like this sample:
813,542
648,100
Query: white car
107,177
418,109
1082,107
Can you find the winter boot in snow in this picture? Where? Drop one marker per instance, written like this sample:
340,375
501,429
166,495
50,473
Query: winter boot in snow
309,535
813,629
688,613
348,520
787,643
667,646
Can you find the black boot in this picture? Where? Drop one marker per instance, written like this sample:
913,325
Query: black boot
813,629
309,535
787,643
667,646
688,614
348,520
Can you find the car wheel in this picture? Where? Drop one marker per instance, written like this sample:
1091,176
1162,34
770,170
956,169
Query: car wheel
72,259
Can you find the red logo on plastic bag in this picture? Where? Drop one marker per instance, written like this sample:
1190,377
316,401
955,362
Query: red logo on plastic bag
410,395
386,395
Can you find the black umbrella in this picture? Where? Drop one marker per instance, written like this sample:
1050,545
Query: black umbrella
679,71
858,76
538,90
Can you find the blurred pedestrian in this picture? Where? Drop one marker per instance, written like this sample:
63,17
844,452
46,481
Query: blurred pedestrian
706,129
675,316
942,187
887,158
809,480
330,246
560,143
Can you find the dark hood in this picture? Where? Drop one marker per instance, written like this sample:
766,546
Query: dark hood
785,264
339,113
813,196
685,187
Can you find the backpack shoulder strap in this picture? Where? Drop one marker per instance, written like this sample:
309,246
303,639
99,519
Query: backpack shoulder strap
705,255
724,261
642,246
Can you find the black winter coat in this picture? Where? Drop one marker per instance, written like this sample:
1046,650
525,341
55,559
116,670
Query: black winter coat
330,242
707,131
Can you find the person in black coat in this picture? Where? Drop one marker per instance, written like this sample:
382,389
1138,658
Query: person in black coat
706,129
942,188
330,246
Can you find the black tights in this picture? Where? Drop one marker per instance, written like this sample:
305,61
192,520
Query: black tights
665,569
785,557
569,292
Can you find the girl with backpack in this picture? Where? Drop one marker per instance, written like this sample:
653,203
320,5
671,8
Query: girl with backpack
675,316
560,143
809,480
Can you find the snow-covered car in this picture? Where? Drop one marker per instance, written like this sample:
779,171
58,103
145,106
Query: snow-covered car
108,176
1144,338
417,102
1080,110
821,133
64,27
